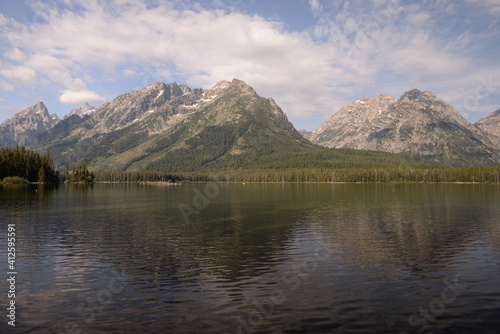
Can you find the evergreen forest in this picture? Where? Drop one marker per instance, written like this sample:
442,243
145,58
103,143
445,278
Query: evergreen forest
28,166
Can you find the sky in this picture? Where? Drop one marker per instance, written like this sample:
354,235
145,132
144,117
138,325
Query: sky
311,56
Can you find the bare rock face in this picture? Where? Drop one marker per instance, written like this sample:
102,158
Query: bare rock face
26,125
491,125
82,111
348,127
418,123
131,107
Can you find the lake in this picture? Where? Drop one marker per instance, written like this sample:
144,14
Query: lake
261,258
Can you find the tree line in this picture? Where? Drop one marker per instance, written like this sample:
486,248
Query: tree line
375,175
30,166
20,165
26,165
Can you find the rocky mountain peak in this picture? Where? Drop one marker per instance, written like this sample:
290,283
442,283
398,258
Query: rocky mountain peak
26,124
495,113
419,96
218,88
132,107
426,97
241,85
156,86
163,92
418,123
185,89
36,109
222,84
40,105
235,86
37,113
354,117
412,95
86,109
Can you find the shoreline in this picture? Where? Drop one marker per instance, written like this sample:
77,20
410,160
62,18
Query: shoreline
305,182
159,183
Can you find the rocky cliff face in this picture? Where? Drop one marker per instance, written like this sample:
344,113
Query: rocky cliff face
59,131
491,125
418,123
82,111
26,125
134,106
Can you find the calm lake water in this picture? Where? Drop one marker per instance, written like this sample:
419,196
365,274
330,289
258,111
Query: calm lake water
263,258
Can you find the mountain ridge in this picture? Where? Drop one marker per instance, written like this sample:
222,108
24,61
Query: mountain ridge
173,127
417,123
85,109
225,127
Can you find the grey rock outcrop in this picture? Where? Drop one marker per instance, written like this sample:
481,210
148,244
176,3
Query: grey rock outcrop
491,125
24,126
82,111
418,123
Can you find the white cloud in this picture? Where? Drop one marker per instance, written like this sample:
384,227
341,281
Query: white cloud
6,86
205,47
492,6
2,100
129,73
21,74
419,56
419,19
80,97
56,69
15,55
315,7
351,50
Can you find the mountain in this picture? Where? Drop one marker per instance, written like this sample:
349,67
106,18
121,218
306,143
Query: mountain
26,125
62,129
229,124
82,111
132,107
59,131
171,127
491,125
418,123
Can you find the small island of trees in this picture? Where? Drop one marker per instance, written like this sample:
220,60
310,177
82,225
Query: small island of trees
79,173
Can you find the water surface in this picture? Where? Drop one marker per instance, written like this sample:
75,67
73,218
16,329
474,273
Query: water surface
264,258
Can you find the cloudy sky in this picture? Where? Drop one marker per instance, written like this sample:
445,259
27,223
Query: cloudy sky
311,56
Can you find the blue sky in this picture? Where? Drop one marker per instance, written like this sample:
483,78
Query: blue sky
311,56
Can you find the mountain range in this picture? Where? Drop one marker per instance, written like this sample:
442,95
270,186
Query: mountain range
417,123
171,127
